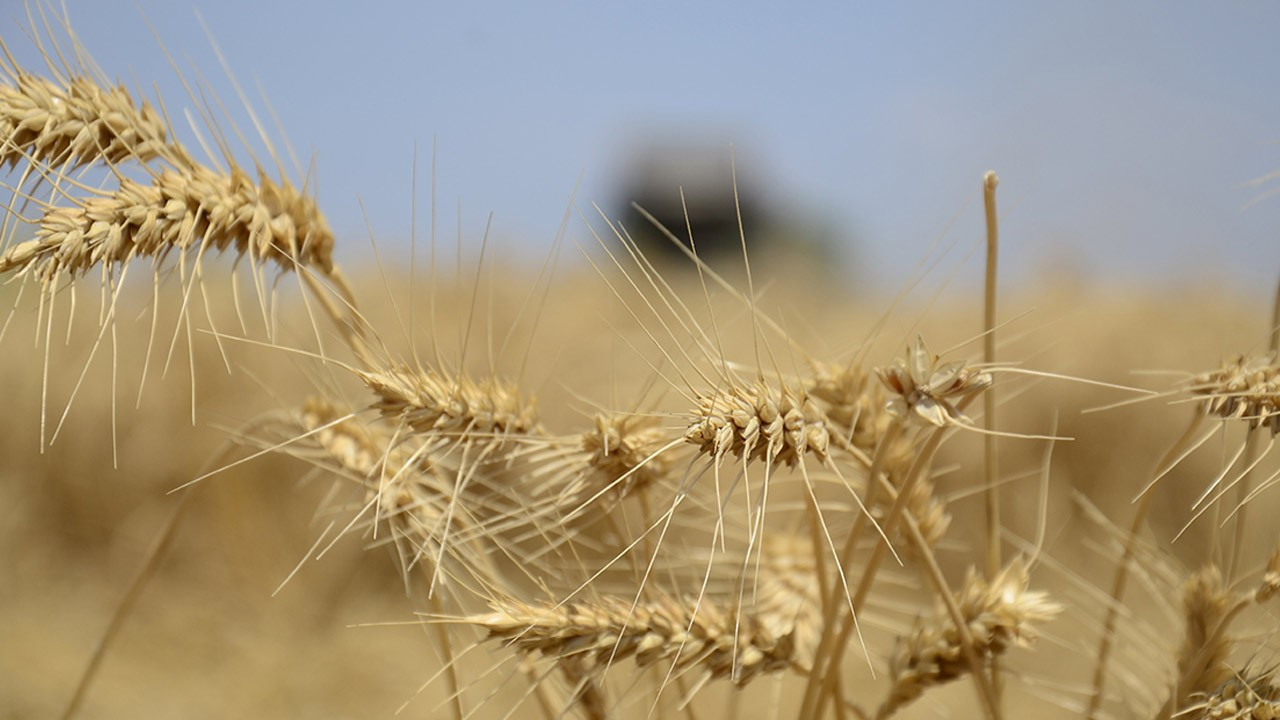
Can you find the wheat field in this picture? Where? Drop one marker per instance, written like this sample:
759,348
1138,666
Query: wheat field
242,480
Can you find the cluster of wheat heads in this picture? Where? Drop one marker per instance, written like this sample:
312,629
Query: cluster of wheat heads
763,522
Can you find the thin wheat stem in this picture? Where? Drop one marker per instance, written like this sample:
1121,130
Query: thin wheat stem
442,641
826,594
831,603
990,458
1172,455
898,511
145,572
986,693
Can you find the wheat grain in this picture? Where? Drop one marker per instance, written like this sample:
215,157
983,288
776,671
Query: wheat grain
1240,698
1244,387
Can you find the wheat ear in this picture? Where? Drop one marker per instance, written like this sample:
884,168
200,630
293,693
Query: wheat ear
1242,697
717,640
1000,614
74,124
760,424
197,210
1208,609
788,598
434,404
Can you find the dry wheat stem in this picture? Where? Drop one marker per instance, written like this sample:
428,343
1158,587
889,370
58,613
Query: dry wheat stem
921,390
902,497
833,605
1122,569
990,465
145,572
990,456
921,544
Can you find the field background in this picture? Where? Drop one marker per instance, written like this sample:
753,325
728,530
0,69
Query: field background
208,639
1126,140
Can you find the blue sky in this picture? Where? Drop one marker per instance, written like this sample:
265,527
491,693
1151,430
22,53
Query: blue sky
1121,131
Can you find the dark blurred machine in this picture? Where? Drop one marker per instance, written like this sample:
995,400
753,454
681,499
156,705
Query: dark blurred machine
653,175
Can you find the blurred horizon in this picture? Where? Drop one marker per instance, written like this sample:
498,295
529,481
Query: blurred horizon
1123,135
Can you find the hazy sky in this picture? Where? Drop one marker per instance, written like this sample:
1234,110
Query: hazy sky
1122,132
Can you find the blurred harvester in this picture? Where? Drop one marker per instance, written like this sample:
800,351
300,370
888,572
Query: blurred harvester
653,175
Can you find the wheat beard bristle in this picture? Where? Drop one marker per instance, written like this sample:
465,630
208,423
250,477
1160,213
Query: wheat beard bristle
411,492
